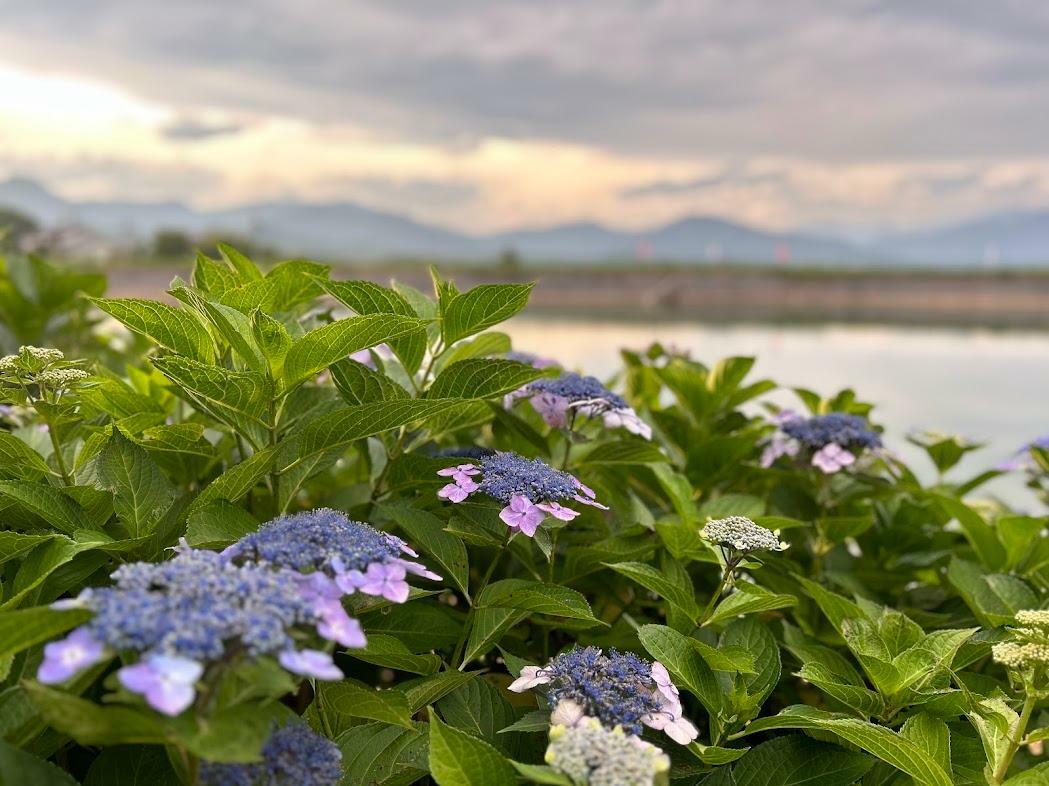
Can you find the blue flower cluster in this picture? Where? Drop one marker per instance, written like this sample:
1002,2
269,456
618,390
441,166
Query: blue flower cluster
292,756
507,475
615,688
839,428
575,388
195,604
469,452
313,540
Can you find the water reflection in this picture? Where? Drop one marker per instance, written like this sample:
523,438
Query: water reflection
989,386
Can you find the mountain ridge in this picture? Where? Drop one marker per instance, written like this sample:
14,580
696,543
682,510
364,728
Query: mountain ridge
344,229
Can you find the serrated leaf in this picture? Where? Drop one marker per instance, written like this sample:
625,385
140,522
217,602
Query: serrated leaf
632,452
359,384
356,700
231,325
218,524
458,759
15,545
366,297
480,378
388,651
19,768
341,428
93,724
434,688
489,626
879,741
170,327
479,708
427,532
675,651
236,481
550,599
18,460
132,766
49,503
993,597
677,593
480,308
749,598
797,760
141,494
323,346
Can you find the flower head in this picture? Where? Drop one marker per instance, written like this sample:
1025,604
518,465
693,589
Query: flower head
1027,648
619,689
554,399
828,442
742,534
591,755
354,555
194,609
530,489
1022,458
292,756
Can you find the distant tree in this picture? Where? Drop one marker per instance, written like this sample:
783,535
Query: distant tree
510,260
170,243
14,227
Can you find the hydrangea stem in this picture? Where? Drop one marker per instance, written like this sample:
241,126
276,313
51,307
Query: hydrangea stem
1018,732
459,656
726,580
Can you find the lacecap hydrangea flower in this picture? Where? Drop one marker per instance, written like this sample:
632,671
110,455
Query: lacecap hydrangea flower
1027,649
741,534
292,756
591,755
619,689
529,488
554,399
198,608
828,442
334,556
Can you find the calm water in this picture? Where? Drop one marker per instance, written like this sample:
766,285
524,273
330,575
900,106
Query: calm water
991,387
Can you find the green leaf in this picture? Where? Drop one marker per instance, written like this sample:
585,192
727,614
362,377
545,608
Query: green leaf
375,753
132,766
365,297
246,269
540,773
23,628
993,597
322,346
679,594
19,768
92,724
427,531
489,626
458,759
675,651
482,307
47,502
359,384
479,378
388,651
233,326
427,691
980,534
550,599
141,494
836,608
170,327
879,741
631,452
236,481
272,339
18,460
354,699
749,598
218,524
478,707
15,545
931,735
749,691
341,428
486,345
797,760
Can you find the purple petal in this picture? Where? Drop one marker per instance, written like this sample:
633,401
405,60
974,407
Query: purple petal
310,663
453,493
558,511
170,698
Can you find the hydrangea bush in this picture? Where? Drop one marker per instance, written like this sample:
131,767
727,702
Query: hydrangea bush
280,528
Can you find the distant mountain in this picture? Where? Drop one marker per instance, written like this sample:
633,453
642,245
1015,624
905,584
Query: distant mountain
344,230
1016,239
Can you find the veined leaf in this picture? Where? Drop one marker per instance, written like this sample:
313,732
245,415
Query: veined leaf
481,378
47,502
18,460
321,347
551,599
22,628
388,651
427,531
359,384
173,328
675,651
357,700
749,598
480,308
236,481
679,595
141,494
797,760
458,759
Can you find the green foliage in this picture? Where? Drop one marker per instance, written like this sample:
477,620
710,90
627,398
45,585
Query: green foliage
860,655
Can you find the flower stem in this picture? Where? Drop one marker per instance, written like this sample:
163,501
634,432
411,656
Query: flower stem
458,654
998,777
726,578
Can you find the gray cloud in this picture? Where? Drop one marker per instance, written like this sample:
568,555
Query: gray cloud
730,176
843,81
189,130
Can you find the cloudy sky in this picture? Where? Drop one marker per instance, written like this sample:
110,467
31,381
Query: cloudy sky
486,115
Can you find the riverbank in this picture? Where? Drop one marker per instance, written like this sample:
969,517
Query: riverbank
999,299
